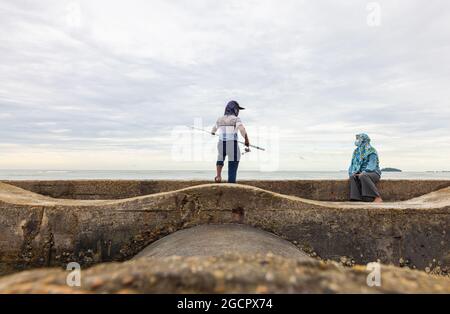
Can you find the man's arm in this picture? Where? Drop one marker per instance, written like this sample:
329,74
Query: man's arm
247,142
244,135
243,131
214,129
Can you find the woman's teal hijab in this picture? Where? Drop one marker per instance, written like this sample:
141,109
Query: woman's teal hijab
362,151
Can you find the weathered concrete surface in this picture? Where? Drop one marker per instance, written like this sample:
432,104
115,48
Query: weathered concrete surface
39,231
225,274
219,240
321,190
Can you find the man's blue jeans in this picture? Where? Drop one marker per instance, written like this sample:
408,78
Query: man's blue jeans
230,149
232,171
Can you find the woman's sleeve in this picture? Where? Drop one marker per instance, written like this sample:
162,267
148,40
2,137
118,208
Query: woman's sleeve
372,163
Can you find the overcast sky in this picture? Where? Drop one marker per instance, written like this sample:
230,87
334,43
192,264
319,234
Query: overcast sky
103,84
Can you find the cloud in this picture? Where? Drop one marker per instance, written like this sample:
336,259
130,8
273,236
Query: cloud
108,77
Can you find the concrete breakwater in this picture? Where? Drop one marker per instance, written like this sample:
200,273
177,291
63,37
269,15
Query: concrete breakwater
319,190
43,231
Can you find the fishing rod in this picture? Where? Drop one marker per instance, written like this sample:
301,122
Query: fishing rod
203,130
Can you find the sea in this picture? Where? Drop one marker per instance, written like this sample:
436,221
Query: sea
202,175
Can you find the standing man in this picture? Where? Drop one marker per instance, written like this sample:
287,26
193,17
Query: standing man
228,126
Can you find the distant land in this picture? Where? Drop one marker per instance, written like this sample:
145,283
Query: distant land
390,170
437,171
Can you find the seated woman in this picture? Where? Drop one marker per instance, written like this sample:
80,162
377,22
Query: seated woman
364,171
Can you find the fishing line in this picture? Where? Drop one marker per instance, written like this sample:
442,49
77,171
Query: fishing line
203,130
